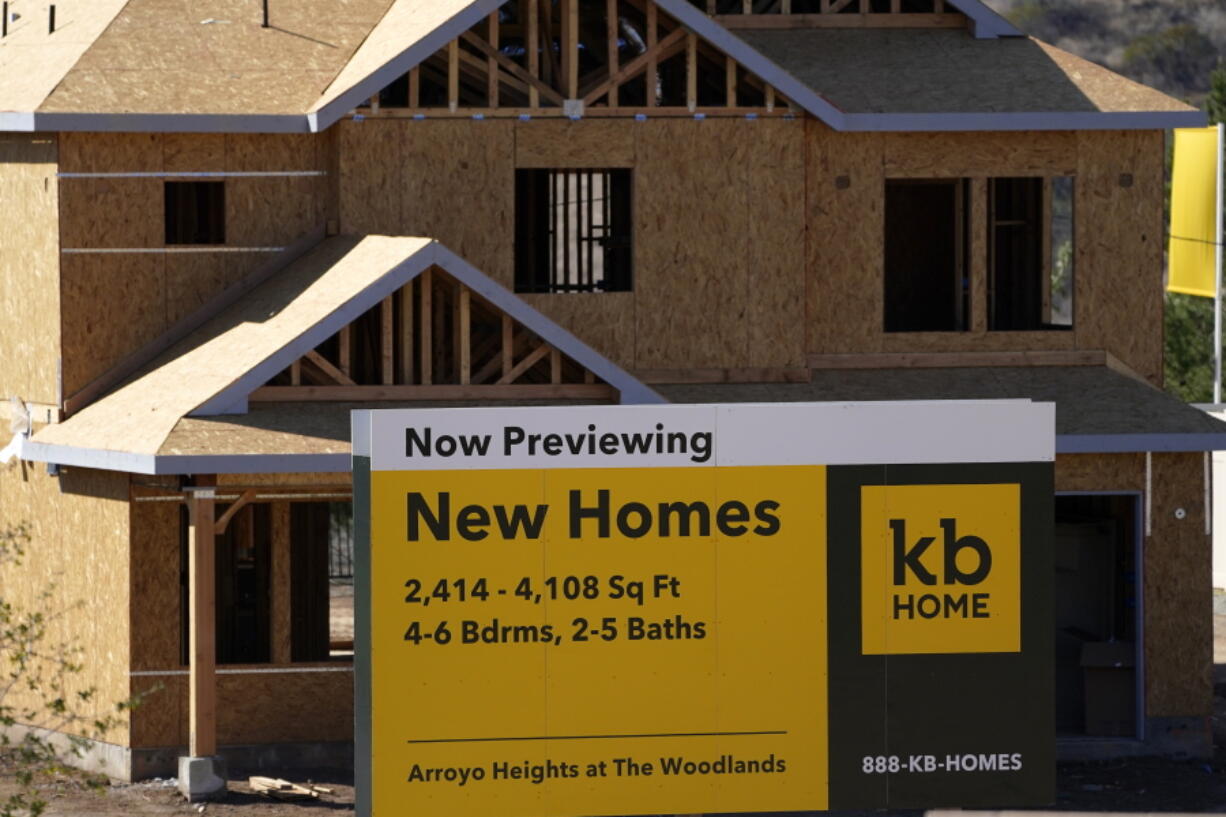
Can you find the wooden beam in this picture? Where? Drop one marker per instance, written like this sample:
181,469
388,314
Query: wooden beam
406,333
346,347
570,46
747,375
415,87
426,323
801,21
223,521
661,50
524,365
770,98
501,391
653,65
531,83
508,345
466,336
295,373
327,368
730,82
534,53
491,63
555,366
612,25
453,74
388,338
786,7
691,70
280,580
202,620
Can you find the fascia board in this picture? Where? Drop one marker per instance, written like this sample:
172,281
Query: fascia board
155,464
1135,443
986,23
324,114
1036,121
155,122
17,121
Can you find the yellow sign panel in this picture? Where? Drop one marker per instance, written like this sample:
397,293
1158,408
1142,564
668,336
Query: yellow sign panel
940,569
651,640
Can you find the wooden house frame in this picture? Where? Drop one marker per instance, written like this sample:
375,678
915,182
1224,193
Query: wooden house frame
189,387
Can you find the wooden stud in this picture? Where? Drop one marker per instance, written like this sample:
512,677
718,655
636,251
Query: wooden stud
415,88
427,353
570,28
508,345
374,104
770,98
280,580
555,366
453,75
786,7
491,63
938,6
588,377
202,622
691,70
661,50
613,26
730,82
710,6
388,342
406,333
895,6
466,334
534,52
551,68
653,65
530,83
746,6
325,366
295,373
346,348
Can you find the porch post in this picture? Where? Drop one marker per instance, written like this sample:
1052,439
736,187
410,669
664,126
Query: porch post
199,773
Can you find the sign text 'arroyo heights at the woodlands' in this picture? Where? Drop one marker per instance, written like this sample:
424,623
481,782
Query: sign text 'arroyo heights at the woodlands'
651,610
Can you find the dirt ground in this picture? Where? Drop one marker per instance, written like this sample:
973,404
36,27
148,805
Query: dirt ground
1139,785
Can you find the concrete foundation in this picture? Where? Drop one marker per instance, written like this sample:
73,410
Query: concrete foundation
201,778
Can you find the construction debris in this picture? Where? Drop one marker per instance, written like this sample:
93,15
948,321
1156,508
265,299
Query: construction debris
285,790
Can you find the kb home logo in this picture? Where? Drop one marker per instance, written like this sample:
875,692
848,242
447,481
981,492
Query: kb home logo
940,569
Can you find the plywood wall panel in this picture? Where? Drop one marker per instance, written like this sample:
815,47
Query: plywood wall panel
691,254
113,304
112,213
161,718
602,320
776,231
459,187
846,222
193,279
269,212
959,155
78,552
371,176
29,267
111,152
1118,247
193,152
1100,472
272,152
1178,592
285,707
561,143
155,613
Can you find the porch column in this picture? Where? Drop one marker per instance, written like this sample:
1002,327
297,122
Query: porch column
199,775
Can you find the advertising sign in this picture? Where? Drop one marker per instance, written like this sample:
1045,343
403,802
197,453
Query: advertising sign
678,609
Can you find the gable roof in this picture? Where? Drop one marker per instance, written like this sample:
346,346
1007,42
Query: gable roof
212,371
149,65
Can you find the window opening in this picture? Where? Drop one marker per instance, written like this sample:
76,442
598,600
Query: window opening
573,230
1031,254
321,569
195,212
926,281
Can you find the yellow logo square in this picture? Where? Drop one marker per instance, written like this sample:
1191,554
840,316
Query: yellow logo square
940,569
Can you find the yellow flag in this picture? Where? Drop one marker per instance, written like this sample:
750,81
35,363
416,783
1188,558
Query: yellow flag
1193,212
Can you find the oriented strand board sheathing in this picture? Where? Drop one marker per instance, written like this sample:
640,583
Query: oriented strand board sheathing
459,187
561,143
29,267
161,718
193,152
602,320
159,57
844,249
1178,595
269,212
1100,472
949,71
691,249
272,152
111,213
776,229
111,152
285,707
112,305
291,480
78,550
990,153
371,180
192,279
139,415
155,613
33,60
1119,245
